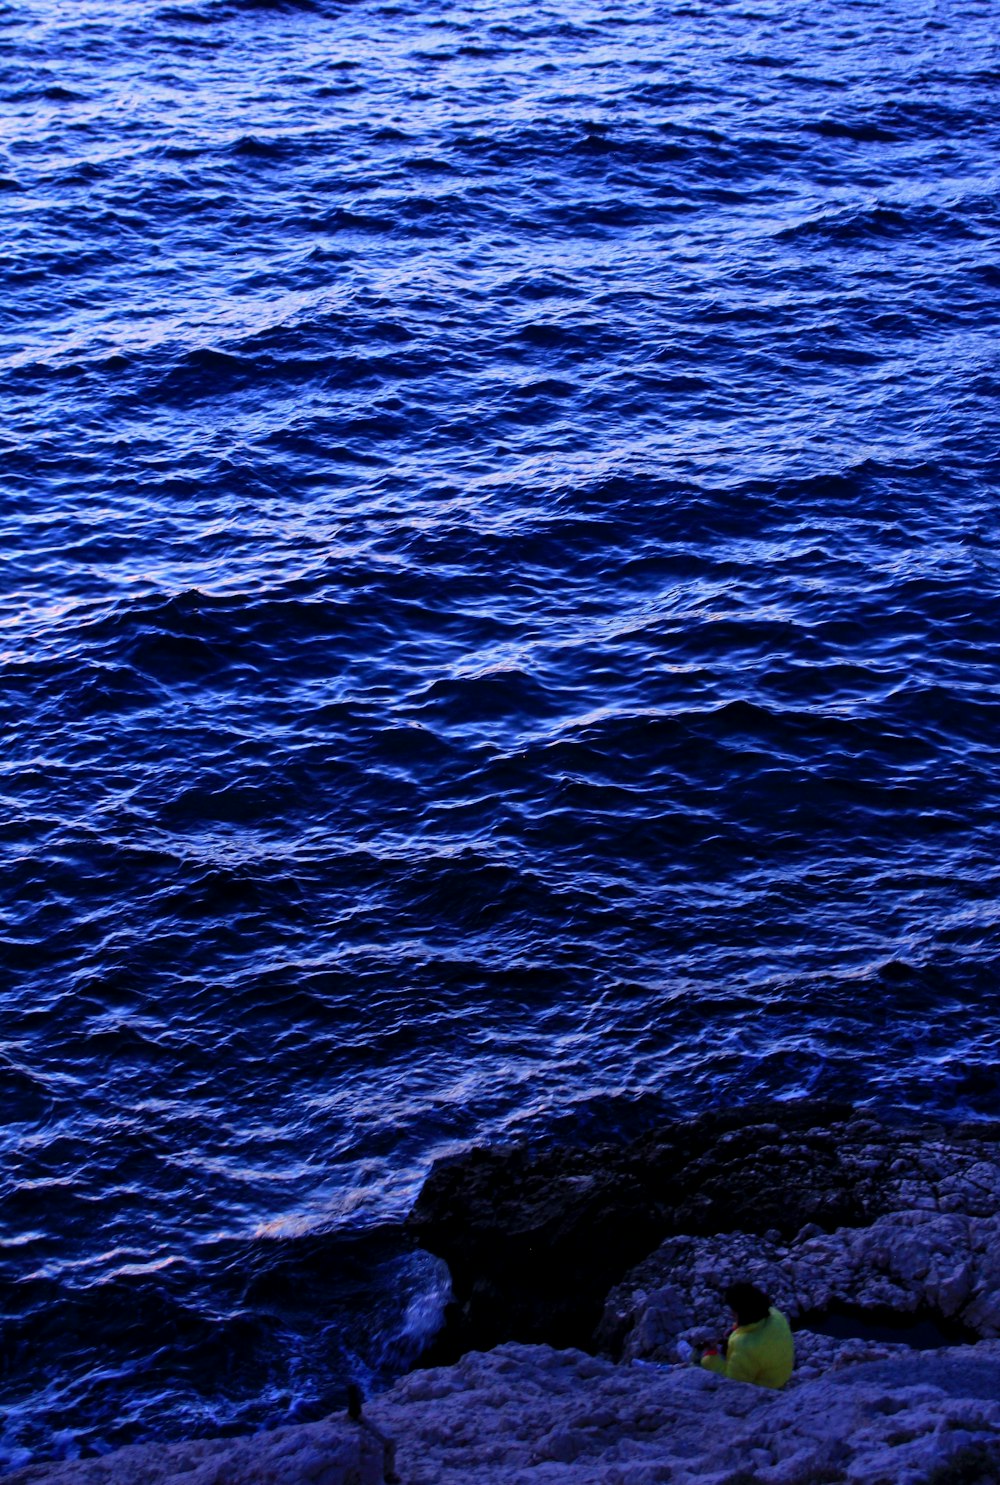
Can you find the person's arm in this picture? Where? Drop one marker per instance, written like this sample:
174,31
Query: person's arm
737,1365
714,1359
740,1365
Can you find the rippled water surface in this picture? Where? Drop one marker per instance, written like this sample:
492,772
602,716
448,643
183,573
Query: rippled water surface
500,609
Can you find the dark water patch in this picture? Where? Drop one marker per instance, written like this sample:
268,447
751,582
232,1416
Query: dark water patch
47,93
186,15
86,173
348,219
766,59
429,165
224,8
882,221
253,147
858,131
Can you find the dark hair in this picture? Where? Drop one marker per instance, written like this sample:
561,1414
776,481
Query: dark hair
750,1303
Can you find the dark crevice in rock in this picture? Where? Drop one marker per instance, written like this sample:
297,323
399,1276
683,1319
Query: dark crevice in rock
925,1330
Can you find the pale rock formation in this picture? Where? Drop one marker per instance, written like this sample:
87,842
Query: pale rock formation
527,1415
331,1452
907,1263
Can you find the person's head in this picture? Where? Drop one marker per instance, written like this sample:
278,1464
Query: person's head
748,1303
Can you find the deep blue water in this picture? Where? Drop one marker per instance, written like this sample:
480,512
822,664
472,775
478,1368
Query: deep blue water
500,612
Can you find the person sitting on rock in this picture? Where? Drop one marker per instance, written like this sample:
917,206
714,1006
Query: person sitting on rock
760,1348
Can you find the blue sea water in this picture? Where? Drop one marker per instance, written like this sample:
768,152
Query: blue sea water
499,627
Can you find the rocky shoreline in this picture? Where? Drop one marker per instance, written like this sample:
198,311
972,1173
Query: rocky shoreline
581,1277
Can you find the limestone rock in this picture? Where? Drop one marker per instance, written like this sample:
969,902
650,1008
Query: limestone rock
906,1263
528,1415
331,1452
524,1415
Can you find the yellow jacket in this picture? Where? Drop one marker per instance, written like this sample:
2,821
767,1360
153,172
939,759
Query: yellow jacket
763,1353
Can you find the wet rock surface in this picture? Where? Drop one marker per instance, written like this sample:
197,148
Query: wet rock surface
535,1237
